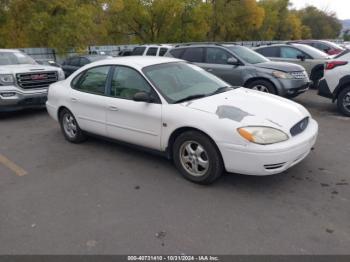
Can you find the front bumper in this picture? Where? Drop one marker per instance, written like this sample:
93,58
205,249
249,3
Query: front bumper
293,87
262,160
13,98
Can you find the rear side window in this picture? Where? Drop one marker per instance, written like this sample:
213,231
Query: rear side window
138,50
195,54
84,61
162,51
269,51
152,51
177,53
92,81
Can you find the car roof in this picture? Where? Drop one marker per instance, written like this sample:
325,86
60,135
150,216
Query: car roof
137,62
9,50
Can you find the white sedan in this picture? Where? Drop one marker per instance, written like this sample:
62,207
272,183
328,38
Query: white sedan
195,118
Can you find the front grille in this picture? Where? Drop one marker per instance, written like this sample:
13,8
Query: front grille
36,80
299,127
299,75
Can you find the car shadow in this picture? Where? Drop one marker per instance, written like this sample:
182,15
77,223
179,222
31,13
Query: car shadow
22,114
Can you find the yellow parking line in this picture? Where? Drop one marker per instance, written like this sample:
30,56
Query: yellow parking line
12,166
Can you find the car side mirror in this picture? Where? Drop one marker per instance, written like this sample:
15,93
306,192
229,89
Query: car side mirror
143,97
233,61
301,57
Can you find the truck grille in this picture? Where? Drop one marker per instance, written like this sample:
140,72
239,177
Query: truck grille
299,127
299,75
36,80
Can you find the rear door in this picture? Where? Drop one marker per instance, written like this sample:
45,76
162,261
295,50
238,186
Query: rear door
88,99
216,63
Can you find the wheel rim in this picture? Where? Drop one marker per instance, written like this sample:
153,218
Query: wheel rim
346,101
261,88
194,158
69,125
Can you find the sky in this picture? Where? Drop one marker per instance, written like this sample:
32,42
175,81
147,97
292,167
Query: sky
340,7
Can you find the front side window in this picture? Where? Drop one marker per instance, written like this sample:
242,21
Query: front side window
163,51
75,61
290,52
15,58
126,82
84,61
194,54
178,81
177,53
92,80
217,56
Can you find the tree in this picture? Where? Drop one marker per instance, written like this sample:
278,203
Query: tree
322,24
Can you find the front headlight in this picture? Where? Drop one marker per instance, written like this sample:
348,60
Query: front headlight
7,79
262,135
283,75
61,75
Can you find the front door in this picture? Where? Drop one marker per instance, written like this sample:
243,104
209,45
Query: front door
130,121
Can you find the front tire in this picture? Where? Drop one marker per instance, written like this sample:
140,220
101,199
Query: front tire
263,86
197,158
70,127
343,102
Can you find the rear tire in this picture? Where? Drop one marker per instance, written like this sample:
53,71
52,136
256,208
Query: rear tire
70,127
197,158
263,86
343,102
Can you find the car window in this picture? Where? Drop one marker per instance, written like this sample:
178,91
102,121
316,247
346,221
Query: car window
217,56
177,53
269,51
84,61
75,61
194,54
152,51
290,52
138,50
247,54
321,46
93,80
162,51
126,82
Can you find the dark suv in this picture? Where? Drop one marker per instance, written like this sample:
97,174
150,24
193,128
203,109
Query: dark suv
73,63
241,66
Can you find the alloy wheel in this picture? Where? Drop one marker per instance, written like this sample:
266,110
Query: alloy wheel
194,158
261,88
70,125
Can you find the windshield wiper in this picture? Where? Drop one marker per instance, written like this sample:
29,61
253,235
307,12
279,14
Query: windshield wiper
221,90
190,98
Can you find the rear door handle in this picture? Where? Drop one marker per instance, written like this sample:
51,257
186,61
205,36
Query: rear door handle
74,99
113,108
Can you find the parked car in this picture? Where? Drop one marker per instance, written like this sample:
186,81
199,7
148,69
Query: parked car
73,63
190,115
151,50
310,58
336,82
241,66
323,45
23,82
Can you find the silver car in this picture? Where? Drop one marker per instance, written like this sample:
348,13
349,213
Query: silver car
310,58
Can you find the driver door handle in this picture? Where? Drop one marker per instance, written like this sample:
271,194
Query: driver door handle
74,99
113,108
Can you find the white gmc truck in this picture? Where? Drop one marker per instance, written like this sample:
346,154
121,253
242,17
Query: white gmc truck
23,82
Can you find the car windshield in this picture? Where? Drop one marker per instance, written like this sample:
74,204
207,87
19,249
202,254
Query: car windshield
247,54
179,81
15,58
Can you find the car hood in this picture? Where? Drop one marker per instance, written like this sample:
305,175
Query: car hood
280,66
14,69
249,107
